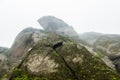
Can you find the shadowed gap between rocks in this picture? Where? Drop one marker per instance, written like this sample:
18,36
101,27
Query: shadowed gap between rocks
59,45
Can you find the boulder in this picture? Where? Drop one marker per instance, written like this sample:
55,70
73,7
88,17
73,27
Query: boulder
24,42
53,24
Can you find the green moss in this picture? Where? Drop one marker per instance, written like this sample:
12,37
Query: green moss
101,55
92,68
54,53
20,74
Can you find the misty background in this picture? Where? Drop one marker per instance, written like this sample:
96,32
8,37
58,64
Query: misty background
84,15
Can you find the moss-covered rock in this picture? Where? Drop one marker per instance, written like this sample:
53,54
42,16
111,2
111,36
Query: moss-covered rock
3,64
68,61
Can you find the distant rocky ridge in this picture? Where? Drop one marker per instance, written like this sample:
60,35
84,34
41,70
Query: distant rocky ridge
106,44
90,37
3,50
109,44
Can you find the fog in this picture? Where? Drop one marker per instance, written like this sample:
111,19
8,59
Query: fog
83,15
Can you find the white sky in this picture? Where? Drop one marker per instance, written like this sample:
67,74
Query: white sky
84,15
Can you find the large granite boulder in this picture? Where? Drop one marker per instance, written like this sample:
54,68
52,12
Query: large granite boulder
53,24
24,42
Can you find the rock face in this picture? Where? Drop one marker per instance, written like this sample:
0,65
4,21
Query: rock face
58,58
53,24
3,65
105,44
90,37
109,44
24,41
4,68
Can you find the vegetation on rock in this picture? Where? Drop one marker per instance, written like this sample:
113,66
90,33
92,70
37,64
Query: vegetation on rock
68,62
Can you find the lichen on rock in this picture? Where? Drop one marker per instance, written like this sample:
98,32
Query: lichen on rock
67,62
